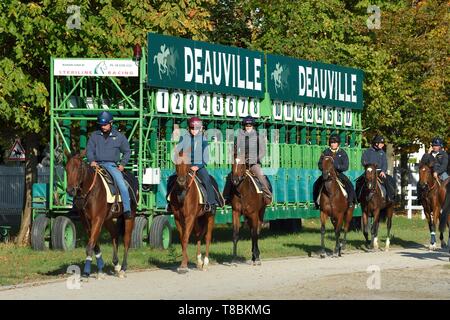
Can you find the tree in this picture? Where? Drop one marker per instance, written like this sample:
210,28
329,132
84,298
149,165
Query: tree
33,31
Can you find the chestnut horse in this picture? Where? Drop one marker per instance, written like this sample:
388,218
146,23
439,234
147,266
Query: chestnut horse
333,204
433,193
246,201
188,213
84,184
375,206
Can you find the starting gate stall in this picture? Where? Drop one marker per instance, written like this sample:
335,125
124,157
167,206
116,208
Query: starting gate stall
297,104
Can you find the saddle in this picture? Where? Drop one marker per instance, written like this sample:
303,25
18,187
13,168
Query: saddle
341,186
200,187
112,191
257,183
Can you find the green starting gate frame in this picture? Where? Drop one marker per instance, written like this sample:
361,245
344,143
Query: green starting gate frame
149,115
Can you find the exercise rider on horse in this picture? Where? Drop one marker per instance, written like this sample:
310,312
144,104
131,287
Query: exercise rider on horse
104,148
195,142
340,164
440,158
250,146
375,155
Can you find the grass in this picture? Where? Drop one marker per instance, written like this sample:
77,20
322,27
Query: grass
21,265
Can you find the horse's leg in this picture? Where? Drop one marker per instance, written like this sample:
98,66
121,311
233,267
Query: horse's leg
100,262
365,227
95,232
236,226
348,219
254,222
129,224
323,220
432,226
389,213
374,229
337,233
188,226
112,229
208,237
199,229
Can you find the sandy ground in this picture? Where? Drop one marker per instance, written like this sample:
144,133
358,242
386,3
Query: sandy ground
399,274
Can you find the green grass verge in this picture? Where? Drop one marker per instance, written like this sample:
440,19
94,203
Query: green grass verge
20,265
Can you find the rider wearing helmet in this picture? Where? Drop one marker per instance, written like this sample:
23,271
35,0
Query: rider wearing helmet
249,145
104,148
340,164
376,155
197,144
439,157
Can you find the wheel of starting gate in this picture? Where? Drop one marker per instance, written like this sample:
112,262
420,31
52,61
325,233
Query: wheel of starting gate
139,236
63,234
160,232
40,233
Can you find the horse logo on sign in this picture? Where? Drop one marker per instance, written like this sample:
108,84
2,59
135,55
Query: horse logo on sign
17,152
166,60
280,76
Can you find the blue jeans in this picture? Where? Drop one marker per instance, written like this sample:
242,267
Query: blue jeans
118,178
204,177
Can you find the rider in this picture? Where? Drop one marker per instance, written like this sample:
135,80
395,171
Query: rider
340,164
197,144
252,147
375,155
440,158
104,148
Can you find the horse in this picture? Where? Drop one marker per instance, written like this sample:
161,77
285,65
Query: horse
246,201
188,213
333,204
375,206
90,202
433,194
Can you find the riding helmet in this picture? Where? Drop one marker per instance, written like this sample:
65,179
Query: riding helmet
248,120
378,139
334,138
195,122
104,118
437,142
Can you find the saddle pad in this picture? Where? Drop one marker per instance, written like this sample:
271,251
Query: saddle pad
109,196
258,190
382,189
201,198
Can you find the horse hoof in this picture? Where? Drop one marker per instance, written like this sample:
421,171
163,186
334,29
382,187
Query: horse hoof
101,276
234,263
182,270
85,277
200,266
433,247
117,268
443,245
122,274
323,255
257,262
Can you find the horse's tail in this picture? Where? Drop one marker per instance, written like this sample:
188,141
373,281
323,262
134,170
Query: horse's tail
445,210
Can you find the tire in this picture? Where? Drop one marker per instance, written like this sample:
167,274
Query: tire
64,234
139,235
160,232
40,233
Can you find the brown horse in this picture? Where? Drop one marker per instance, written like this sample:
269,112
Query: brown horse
375,206
248,202
433,194
333,204
188,213
84,184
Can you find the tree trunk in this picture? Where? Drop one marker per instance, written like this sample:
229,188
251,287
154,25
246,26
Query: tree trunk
404,177
31,148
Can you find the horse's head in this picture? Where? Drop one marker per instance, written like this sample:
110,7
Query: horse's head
425,174
182,167
370,176
238,171
75,172
328,171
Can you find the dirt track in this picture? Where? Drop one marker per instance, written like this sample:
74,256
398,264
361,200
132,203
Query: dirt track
404,274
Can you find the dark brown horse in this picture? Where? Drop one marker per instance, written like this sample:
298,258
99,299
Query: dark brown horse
375,206
246,201
433,194
188,213
333,204
85,185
